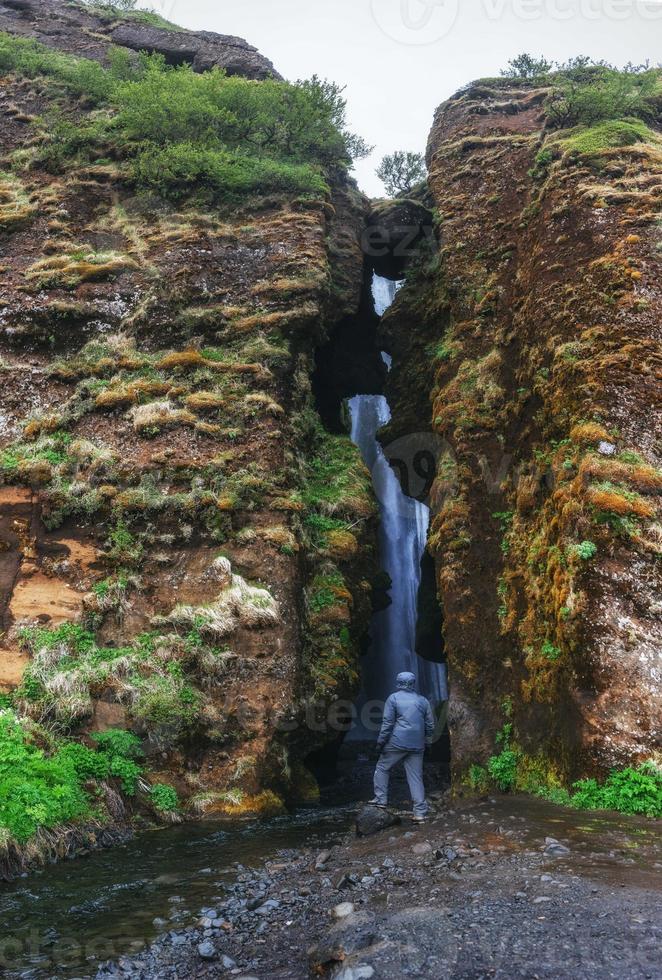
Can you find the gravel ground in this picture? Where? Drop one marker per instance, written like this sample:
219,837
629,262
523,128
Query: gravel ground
503,888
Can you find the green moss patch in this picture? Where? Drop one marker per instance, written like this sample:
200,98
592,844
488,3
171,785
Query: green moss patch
593,140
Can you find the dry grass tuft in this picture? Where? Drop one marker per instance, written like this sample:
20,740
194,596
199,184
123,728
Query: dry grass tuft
204,401
238,605
639,476
160,415
586,433
77,267
342,545
42,426
264,401
131,393
614,501
193,359
15,207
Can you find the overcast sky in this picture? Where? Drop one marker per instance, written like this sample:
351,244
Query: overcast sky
400,58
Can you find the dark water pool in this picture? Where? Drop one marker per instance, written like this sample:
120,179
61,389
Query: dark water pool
61,922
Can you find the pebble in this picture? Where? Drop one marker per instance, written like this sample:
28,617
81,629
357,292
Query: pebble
269,906
207,951
343,910
425,847
362,972
343,880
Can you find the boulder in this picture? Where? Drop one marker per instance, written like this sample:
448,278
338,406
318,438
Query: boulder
203,50
394,230
372,819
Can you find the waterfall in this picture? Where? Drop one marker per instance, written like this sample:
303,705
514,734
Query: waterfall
383,293
402,540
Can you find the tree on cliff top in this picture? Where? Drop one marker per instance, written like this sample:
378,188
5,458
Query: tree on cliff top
400,172
526,66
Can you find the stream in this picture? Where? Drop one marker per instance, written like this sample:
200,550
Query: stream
61,922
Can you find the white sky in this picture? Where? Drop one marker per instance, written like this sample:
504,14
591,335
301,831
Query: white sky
400,58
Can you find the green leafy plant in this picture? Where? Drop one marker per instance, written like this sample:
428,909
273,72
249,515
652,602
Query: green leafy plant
164,798
123,546
630,790
47,789
505,519
479,780
585,550
118,742
503,769
550,651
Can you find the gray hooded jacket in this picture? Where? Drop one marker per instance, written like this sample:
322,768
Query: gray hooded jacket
408,723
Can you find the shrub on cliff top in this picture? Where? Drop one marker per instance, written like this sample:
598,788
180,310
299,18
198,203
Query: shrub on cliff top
526,66
300,122
587,94
184,130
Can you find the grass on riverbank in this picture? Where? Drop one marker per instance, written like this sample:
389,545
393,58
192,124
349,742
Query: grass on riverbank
634,789
49,783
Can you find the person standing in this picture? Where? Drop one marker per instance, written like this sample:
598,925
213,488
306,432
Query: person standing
407,727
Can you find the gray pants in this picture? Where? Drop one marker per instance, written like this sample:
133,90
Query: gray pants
413,770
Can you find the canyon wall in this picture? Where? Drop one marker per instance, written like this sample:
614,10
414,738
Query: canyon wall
185,550
187,535
532,338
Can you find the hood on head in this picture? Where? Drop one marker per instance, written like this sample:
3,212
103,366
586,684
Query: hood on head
405,681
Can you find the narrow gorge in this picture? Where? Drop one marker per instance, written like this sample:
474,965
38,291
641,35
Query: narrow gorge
264,444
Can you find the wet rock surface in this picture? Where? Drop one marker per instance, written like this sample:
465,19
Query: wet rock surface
493,888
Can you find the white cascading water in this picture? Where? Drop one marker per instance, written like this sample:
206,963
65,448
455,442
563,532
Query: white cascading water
402,540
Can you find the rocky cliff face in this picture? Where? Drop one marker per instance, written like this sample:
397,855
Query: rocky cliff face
184,549
88,32
535,329
187,538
